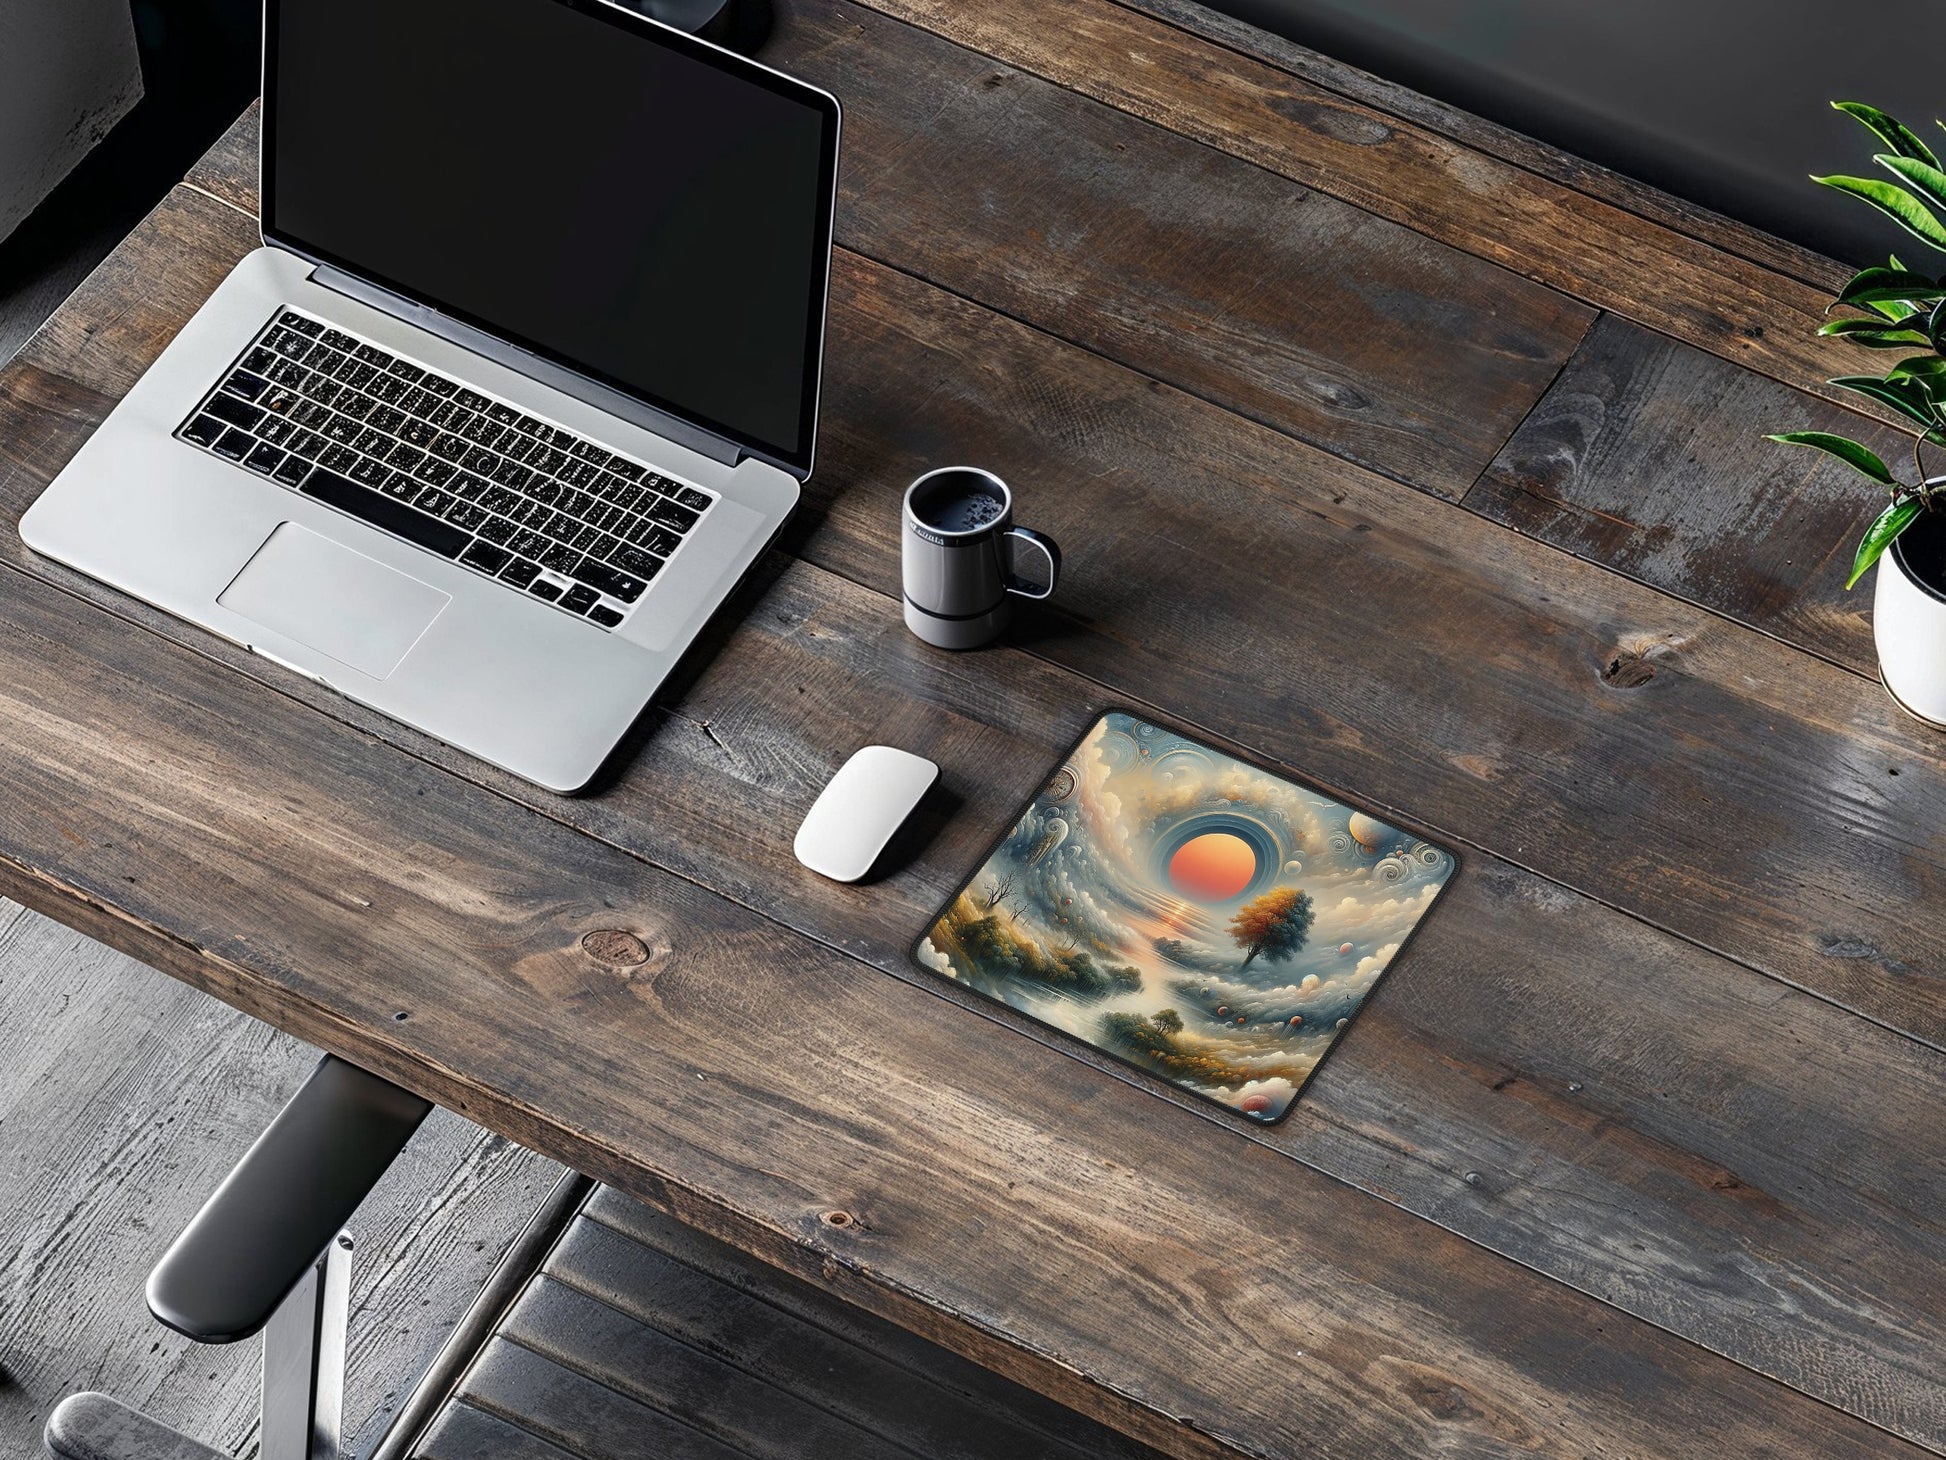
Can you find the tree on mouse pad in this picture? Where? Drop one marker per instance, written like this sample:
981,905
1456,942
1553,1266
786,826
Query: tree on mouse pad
1274,925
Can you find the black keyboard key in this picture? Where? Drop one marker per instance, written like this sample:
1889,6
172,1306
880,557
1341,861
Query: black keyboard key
372,355
338,429
578,599
371,473
577,504
499,499
434,472
309,328
281,400
310,413
604,579
580,474
546,459
431,499
520,572
469,487
498,529
409,373
471,400
287,372
602,614
486,557
339,340
356,404
308,444
585,536
381,511
448,447
694,500
386,419
470,515
402,488
588,451
513,474
322,357
287,342
203,430
265,459
506,415
449,415
404,457
670,514
627,470
372,443
530,544
633,560
419,433
563,560
245,384
387,388
259,360
479,459
338,458
439,385
292,472
234,444
229,409
544,589
277,431
658,540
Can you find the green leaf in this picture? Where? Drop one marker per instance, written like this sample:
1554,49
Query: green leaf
1879,536
1935,324
1857,457
1903,396
1925,368
1889,130
1896,203
1876,334
1924,178
1889,286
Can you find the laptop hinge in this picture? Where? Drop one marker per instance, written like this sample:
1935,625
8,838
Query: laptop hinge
568,382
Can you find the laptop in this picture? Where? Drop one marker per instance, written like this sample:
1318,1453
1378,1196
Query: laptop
522,381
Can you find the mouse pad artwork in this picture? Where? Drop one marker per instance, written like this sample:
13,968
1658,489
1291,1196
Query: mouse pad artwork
1205,920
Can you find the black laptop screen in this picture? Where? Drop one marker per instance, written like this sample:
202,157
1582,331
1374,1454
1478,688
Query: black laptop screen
618,198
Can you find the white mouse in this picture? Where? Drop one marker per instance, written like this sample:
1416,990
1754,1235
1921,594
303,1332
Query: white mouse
857,813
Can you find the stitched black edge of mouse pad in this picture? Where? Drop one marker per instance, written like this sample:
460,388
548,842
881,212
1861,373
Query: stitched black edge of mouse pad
1206,920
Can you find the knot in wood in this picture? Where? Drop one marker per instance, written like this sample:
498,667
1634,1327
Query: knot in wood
613,946
837,1219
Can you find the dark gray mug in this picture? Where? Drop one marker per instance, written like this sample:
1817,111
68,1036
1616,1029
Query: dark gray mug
959,557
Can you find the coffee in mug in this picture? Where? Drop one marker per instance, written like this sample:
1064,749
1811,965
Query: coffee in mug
960,552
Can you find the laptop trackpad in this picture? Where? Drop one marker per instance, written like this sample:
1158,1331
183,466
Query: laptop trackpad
322,595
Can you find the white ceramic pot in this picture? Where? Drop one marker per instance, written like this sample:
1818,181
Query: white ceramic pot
1909,619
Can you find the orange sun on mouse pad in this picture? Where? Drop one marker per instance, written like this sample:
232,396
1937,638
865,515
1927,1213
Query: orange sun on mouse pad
1205,920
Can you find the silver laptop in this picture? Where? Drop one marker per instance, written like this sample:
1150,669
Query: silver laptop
522,382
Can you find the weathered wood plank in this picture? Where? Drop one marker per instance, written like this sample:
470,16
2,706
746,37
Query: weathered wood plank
124,1098
1588,248
755,1083
1477,134
804,682
1647,457
1540,699
465,1433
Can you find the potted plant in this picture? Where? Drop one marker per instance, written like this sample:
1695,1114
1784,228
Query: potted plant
1896,308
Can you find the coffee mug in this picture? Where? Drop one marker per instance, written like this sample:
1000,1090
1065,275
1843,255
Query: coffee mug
959,556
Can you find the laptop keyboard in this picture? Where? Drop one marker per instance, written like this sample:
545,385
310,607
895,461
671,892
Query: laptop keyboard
471,478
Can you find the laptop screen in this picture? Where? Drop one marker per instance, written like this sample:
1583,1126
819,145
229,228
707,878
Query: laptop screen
619,198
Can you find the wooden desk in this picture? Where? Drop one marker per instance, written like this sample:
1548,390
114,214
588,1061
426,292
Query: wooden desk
1394,448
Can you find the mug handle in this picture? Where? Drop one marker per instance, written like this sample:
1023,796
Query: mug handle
1049,549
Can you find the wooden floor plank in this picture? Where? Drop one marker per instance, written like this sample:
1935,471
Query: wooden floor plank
793,1336
1586,247
756,1084
806,680
579,1414
124,1098
1647,457
465,1433
757,1418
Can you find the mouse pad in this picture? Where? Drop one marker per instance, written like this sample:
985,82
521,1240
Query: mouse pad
1192,914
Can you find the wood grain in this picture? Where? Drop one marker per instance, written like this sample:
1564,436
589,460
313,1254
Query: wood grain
755,1082
1647,456
124,1098
804,680
1484,684
1584,246
1476,134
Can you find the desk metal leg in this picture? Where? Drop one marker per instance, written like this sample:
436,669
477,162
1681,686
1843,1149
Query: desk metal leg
304,1362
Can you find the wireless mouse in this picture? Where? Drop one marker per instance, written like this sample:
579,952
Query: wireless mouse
857,813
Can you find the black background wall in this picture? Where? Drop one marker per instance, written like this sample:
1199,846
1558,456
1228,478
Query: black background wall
1724,102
